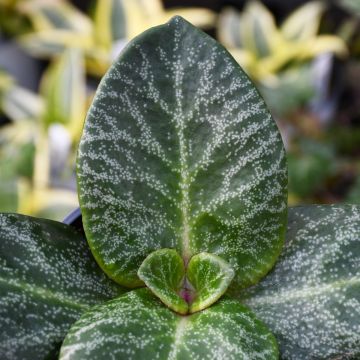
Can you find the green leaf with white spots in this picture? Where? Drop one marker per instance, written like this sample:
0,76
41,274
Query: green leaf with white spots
210,277
163,272
48,278
138,326
311,300
179,151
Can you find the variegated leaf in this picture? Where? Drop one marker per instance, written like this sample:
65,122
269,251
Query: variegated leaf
138,326
179,151
48,278
163,272
311,300
209,276
64,90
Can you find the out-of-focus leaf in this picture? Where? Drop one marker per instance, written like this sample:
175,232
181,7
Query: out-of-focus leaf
64,90
203,18
21,104
40,200
54,42
309,168
288,90
258,30
228,28
142,14
110,23
8,195
353,196
55,14
303,24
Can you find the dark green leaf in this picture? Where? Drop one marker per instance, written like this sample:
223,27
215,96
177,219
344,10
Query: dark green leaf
48,278
138,326
311,300
179,151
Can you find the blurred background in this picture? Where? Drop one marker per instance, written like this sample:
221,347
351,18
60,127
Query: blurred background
304,57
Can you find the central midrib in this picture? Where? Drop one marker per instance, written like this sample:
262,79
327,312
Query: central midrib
184,169
179,333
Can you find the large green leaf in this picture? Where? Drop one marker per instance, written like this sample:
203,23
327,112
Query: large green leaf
48,278
179,151
311,300
138,326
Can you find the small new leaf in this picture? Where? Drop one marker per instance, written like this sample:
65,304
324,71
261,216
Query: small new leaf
189,290
163,272
210,276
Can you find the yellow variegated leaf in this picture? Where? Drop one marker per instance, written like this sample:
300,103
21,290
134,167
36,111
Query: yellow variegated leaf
64,89
21,104
142,14
228,28
258,30
6,81
203,18
55,14
109,23
50,43
322,44
303,24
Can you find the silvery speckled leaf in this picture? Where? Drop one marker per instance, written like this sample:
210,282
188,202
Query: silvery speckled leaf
48,278
179,151
311,300
138,326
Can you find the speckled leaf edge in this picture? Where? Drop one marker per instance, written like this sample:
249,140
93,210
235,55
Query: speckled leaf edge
311,299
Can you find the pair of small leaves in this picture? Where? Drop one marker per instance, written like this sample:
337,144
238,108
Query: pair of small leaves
189,290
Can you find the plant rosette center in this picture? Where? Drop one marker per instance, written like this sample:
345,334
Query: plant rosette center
186,289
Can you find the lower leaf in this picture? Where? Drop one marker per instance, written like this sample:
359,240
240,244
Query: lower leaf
311,300
48,278
138,326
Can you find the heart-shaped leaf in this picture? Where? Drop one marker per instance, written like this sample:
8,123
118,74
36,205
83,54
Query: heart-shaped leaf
179,151
186,290
311,300
138,326
210,277
163,272
48,278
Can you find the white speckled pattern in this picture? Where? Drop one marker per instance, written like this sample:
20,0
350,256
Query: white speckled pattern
311,300
48,278
179,151
138,326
